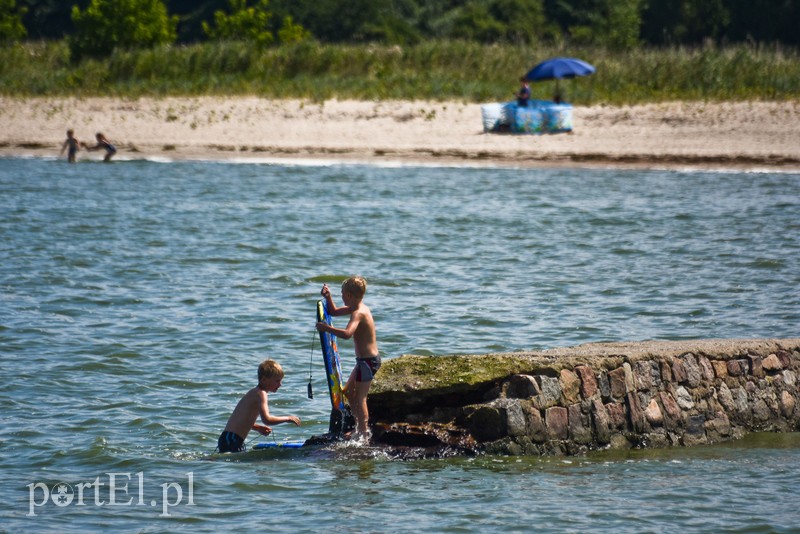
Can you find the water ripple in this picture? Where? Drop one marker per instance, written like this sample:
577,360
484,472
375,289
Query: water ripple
136,300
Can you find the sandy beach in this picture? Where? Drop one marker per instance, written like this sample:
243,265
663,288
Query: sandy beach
745,135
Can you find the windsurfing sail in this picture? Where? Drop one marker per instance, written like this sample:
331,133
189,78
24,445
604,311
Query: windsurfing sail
341,419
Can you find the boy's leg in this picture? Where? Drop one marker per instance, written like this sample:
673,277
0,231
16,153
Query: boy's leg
357,400
359,406
348,387
362,377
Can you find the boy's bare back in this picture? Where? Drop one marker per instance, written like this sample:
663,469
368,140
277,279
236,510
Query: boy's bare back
247,411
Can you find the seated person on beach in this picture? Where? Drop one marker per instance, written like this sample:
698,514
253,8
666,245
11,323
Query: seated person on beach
524,93
73,144
253,404
102,142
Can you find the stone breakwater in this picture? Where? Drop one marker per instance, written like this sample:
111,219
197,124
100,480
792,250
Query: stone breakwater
573,400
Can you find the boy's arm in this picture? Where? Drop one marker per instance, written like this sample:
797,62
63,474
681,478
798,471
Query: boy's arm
342,333
273,419
333,309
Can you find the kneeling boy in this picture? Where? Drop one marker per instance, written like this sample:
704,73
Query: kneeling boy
253,404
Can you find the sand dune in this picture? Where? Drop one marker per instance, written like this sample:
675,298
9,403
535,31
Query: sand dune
752,135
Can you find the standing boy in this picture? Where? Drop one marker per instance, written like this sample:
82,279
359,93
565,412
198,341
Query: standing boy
361,328
253,404
71,144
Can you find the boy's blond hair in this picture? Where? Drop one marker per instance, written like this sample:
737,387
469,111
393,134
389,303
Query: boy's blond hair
270,369
356,286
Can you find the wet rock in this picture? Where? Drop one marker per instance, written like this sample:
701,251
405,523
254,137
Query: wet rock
772,363
580,430
706,368
486,423
718,428
616,416
630,383
635,413
588,381
787,404
653,414
684,398
737,367
693,374
601,422
720,368
557,422
522,387
679,372
789,378
570,386
761,411
604,385
575,399
537,431
725,397
755,364
551,392
672,412
616,379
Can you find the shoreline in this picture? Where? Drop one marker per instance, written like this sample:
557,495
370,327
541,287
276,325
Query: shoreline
744,136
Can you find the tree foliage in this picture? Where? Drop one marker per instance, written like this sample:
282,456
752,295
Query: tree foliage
618,24
253,24
11,27
292,33
108,24
243,23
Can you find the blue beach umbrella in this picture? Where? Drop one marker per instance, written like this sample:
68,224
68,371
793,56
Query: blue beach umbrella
559,67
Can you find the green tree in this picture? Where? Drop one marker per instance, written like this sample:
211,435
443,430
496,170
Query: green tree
244,23
623,24
109,24
613,23
523,20
11,27
692,22
291,32
474,22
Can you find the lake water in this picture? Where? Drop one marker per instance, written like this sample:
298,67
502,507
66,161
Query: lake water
137,299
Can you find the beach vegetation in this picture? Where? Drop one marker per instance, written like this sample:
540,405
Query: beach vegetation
608,23
291,33
12,29
430,70
246,23
108,25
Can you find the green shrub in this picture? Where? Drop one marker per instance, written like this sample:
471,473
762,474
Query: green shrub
430,70
110,24
11,27
242,24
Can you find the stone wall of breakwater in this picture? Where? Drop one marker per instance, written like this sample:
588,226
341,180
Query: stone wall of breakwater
572,400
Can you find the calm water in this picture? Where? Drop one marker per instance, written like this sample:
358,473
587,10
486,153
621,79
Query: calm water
137,298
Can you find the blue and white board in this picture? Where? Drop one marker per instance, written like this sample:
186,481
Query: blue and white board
284,445
341,418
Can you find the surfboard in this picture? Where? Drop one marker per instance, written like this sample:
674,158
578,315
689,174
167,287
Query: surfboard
275,445
341,419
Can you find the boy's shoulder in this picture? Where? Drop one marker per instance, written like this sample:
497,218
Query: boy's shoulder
255,393
362,308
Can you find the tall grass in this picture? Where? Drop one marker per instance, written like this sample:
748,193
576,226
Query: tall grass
462,71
